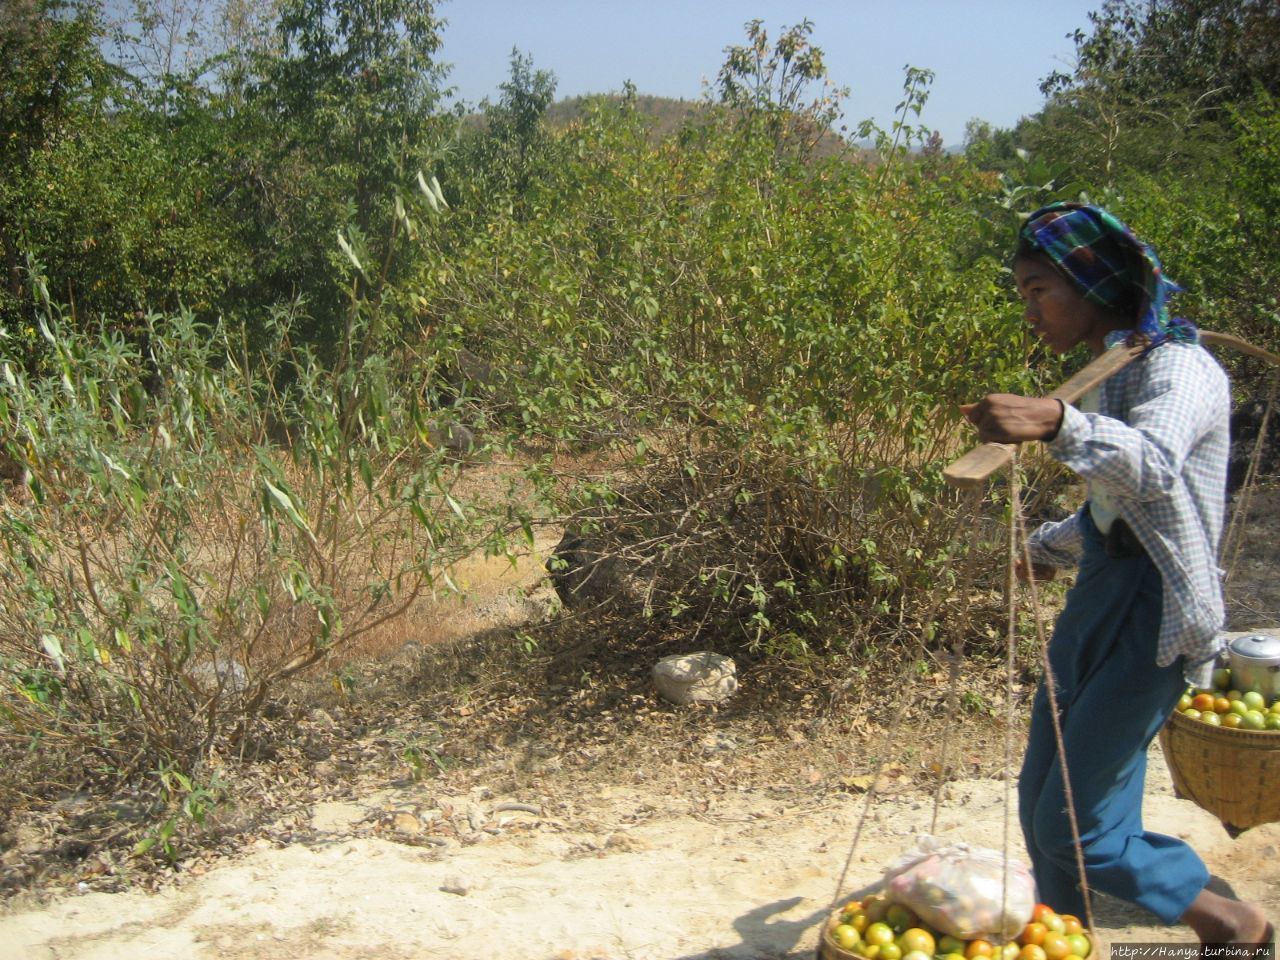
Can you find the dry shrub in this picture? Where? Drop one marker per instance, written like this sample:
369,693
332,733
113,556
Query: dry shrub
173,565
783,549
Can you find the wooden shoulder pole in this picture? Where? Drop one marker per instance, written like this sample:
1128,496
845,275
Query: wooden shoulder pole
1211,339
973,469
976,466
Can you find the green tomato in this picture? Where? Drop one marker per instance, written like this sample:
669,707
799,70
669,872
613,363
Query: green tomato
1254,720
879,933
846,936
1080,945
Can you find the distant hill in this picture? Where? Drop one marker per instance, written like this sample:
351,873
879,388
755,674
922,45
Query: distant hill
669,115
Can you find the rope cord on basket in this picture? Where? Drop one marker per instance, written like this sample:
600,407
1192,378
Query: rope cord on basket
1016,535
1011,644
970,509
953,666
1019,536
1234,539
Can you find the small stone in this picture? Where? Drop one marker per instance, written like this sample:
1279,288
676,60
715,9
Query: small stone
406,823
695,677
456,885
29,839
718,743
221,675
316,749
453,437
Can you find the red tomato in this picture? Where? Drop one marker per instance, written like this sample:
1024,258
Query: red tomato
1042,910
1032,935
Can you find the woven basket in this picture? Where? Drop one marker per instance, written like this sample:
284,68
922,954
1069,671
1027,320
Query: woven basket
828,949
1232,773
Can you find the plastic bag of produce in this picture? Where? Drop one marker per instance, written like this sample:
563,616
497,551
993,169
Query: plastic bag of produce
968,892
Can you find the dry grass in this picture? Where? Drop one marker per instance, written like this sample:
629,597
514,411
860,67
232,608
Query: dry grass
486,709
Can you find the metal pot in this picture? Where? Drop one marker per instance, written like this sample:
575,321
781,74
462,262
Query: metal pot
1255,664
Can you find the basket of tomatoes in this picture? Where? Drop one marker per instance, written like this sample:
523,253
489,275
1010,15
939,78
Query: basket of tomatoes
1222,747
877,928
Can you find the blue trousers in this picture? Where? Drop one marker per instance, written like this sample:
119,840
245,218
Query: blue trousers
1112,700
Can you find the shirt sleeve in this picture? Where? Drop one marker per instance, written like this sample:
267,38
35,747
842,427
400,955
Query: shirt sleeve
1141,459
1057,544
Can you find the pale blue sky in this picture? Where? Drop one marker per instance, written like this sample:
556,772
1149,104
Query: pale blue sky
988,55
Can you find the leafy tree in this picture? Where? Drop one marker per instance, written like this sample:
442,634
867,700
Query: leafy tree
53,81
1214,51
333,125
988,147
355,85
1153,80
111,199
774,84
515,145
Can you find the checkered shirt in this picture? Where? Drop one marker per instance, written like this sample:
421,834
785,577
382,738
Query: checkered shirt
1158,445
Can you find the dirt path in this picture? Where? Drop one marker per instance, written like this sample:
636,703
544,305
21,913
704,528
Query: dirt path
743,875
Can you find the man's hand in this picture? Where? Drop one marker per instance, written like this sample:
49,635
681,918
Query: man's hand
1009,418
1038,571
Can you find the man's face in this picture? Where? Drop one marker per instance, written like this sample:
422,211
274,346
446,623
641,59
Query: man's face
1057,311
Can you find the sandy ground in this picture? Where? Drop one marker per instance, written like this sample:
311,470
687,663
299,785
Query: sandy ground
633,873
745,875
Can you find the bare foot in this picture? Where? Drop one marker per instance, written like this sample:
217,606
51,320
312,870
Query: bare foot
1217,919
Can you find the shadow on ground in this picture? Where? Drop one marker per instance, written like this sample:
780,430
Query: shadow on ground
764,938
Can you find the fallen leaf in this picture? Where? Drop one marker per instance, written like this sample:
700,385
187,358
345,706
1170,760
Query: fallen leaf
858,784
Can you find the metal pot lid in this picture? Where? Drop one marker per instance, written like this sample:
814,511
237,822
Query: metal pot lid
1257,646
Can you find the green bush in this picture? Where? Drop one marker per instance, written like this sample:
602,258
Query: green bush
191,537
774,346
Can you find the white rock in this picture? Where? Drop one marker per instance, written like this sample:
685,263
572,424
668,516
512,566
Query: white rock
695,677
451,436
457,885
221,675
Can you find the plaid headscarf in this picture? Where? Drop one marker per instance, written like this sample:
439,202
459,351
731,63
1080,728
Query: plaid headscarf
1110,265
